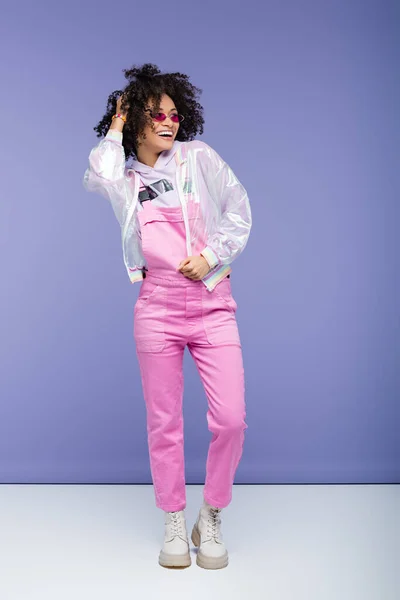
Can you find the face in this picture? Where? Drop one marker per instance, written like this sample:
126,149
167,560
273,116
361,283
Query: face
155,141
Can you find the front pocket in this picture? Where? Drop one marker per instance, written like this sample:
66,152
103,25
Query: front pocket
219,318
228,300
145,297
149,320
223,292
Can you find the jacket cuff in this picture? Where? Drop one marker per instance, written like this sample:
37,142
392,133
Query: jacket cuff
135,275
114,134
210,257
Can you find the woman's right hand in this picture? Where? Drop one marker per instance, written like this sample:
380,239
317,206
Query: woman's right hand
118,110
118,124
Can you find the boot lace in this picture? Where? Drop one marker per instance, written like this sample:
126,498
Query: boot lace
175,524
213,522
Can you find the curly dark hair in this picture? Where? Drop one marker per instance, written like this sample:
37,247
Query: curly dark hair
148,83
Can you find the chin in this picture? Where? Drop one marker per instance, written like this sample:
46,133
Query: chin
162,146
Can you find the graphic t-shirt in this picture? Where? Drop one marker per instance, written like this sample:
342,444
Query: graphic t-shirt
158,182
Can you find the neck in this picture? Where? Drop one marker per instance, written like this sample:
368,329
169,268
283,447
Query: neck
147,156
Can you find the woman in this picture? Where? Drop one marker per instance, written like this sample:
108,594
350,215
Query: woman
184,218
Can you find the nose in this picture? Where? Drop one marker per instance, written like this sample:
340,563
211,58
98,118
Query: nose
168,118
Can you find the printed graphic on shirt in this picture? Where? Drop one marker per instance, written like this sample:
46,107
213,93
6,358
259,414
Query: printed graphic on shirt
149,192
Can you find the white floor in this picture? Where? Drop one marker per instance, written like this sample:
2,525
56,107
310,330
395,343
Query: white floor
285,542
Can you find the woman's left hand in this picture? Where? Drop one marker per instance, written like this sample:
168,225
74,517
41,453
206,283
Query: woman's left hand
194,267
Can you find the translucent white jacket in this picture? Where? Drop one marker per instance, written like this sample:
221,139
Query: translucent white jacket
222,209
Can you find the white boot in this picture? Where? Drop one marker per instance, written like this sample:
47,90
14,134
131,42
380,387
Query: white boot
207,535
175,551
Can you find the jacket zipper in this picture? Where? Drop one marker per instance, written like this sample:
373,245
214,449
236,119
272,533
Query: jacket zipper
130,212
178,180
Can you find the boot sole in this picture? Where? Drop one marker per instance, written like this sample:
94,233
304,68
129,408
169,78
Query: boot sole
174,561
208,562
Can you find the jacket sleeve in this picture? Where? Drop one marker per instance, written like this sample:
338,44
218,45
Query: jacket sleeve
107,176
229,241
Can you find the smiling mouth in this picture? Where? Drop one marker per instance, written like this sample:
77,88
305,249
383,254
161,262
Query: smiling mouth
166,136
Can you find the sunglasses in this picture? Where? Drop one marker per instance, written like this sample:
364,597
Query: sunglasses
159,116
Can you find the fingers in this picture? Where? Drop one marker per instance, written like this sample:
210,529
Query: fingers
184,262
191,274
189,269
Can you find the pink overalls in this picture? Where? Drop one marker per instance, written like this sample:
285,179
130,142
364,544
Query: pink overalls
171,312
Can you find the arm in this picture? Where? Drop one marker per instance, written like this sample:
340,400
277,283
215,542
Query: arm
106,172
234,229
107,176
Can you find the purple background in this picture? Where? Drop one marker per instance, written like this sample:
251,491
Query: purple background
301,99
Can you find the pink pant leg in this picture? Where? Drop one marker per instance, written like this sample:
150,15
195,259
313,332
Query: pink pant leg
162,382
221,371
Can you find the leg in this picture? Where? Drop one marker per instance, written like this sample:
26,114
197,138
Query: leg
221,371
162,381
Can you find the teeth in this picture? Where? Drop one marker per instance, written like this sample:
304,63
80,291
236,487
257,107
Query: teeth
165,133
